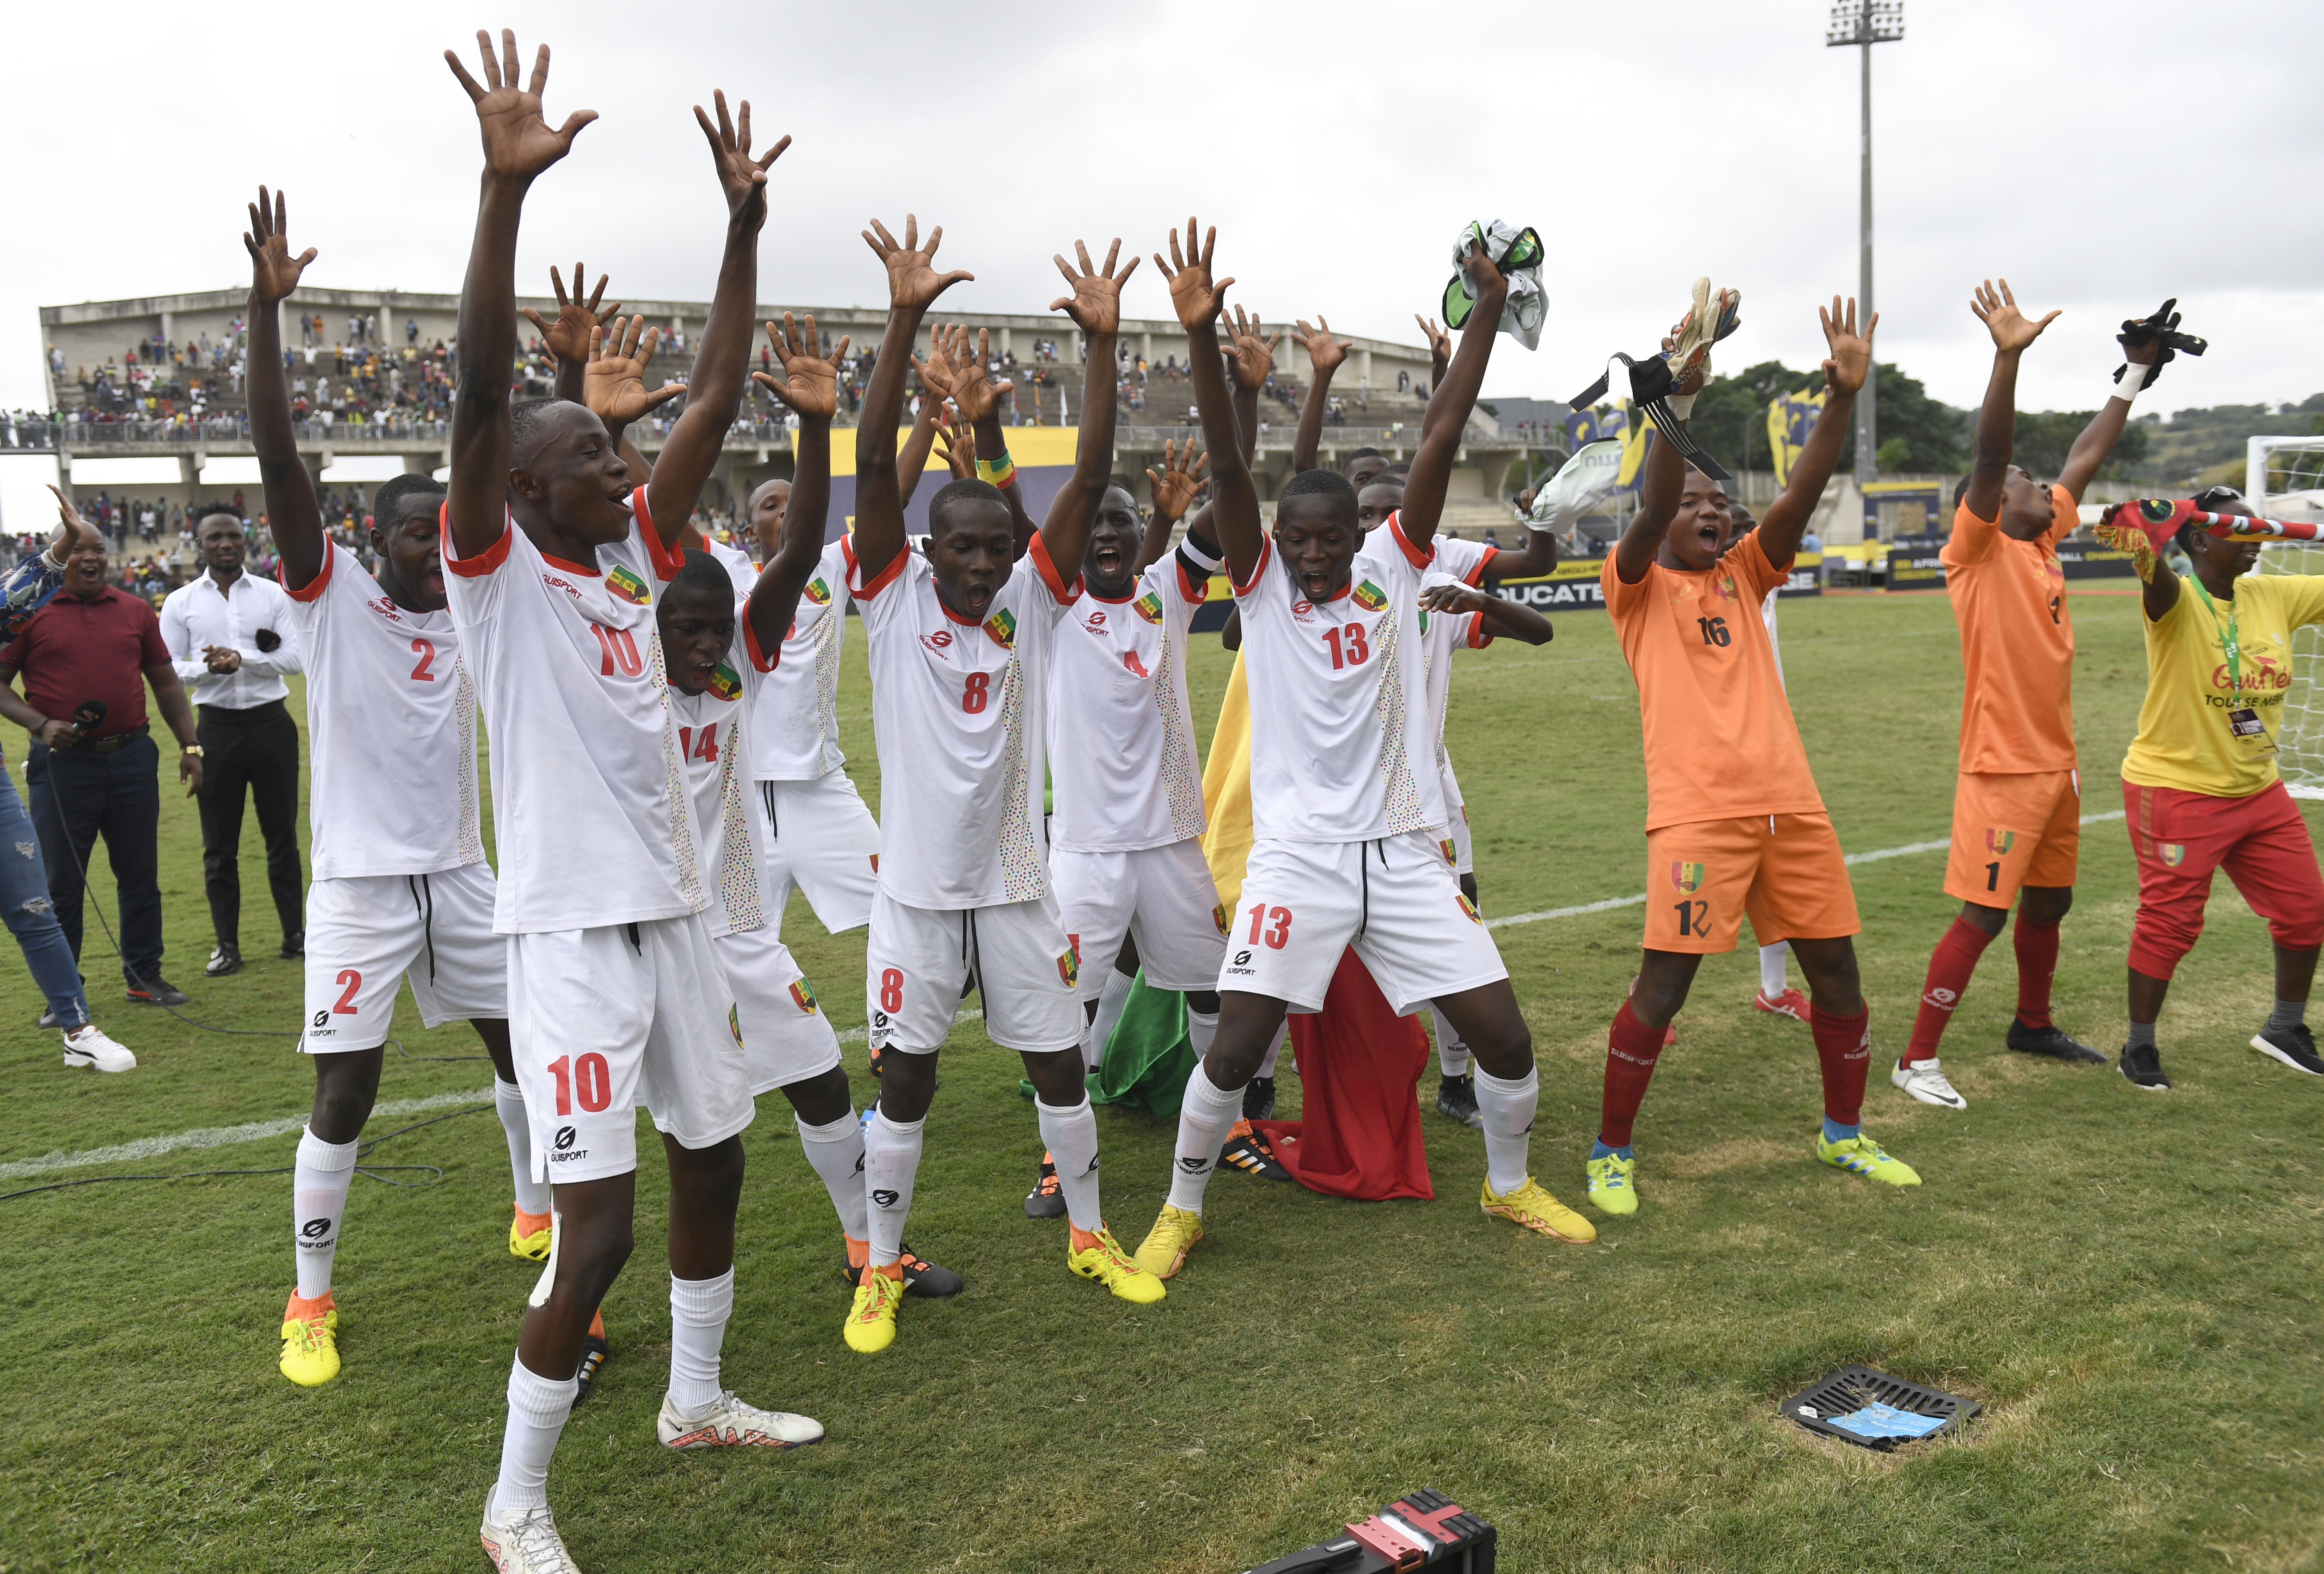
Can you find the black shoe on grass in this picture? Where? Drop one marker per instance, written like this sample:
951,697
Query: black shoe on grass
1045,1201
929,1281
594,1353
2142,1065
1258,1099
157,992
1457,1096
226,959
2056,1045
2295,1046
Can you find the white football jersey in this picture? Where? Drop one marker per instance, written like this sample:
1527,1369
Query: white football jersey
1464,560
737,563
1339,745
391,726
714,730
1122,766
1441,634
795,718
590,814
958,714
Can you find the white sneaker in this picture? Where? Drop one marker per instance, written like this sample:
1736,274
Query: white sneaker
85,1046
730,1423
527,1543
1926,1083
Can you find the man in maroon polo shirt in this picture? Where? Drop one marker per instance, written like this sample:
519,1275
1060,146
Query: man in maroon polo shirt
95,642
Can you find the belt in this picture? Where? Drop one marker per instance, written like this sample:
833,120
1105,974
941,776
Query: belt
113,743
244,715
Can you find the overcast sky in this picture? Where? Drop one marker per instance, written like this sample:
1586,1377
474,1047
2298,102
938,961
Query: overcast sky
2101,154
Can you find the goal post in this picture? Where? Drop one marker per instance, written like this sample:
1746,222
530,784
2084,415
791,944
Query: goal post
2284,479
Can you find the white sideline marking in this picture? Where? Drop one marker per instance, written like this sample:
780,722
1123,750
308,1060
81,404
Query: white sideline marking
219,1136
1876,856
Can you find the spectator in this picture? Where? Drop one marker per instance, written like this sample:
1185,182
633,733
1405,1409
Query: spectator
222,632
94,642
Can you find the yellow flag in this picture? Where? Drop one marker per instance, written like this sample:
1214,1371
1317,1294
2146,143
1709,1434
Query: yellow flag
1226,790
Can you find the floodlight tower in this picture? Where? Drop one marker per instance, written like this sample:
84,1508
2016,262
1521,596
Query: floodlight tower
1862,23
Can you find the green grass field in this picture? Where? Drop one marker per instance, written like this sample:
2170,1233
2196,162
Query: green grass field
2127,1281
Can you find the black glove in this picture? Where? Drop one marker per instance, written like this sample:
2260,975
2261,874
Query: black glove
2140,331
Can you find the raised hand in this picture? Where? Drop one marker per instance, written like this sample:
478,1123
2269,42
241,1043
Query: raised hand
71,528
519,143
614,385
1095,304
974,391
1252,355
1850,361
1180,477
1195,297
1323,351
913,281
945,350
1997,309
568,337
1440,343
957,446
810,382
1447,597
741,177
273,271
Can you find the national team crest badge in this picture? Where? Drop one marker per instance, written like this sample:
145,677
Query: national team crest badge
1003,626
1686,877
1069,966
1370,597
725,683
2174,853
1218,917
1999,842
1469,907
802,997
875,863
734,1022
1149,607
1452,853
627,586
817,591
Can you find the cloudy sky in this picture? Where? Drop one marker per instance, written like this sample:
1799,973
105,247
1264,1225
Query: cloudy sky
2101,154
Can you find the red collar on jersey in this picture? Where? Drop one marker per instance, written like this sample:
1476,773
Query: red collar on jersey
589,569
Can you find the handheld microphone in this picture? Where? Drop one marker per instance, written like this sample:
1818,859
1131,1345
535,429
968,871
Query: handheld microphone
88,715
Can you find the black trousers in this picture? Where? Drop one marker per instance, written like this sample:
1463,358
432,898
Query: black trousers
78,796
253,751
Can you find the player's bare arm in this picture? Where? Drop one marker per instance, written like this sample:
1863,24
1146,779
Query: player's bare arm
977,399
715,389
920,441
1449,404
809,386
567,337
1997,421
1250,360
1662,484
1844,372
1173,489
2089,454
913,286
1095,307
1198,300
519,145
290,506
1507,619
1324,352
1440,348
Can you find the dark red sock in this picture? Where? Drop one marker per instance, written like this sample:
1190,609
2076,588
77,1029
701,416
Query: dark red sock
1844,1046
1631,1050
2037,964
1950,965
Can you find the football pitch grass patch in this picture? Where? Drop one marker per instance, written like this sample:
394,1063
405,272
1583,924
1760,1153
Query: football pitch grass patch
2125,1280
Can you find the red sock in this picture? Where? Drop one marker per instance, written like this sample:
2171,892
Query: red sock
1631,1050
2037,964
1844,1046
1950,965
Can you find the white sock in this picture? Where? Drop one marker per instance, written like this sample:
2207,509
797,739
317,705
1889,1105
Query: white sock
1771,967
1071,1137
891,1159
836,1153
537,1409
1452,1054
1203,1117
698,1311
1110,1003
1274,1048
319,1179
508,1103
1202,1027
1507,1108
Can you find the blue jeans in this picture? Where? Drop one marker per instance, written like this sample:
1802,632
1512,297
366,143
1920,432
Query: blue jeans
32,917
78,795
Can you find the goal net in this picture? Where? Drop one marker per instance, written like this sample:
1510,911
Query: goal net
2284,479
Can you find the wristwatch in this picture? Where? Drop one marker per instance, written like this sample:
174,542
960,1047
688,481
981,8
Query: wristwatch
193,749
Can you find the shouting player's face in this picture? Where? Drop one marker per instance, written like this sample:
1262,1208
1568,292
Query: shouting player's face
2025,505
696,630
971,551
769,504
571,476
1109,567
1377,501
1700,530
1315,532
412,554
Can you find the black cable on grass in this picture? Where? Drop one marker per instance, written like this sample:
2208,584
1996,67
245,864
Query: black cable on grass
377,1172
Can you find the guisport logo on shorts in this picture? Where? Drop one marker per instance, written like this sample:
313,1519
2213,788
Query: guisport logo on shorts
323,1018
565,1135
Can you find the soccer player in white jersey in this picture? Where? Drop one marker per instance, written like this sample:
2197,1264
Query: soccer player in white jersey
402,888
615,996
960,642
1343,793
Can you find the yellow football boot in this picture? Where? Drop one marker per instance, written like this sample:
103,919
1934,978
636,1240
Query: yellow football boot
310,1342
1164,1251
872,1321
1539,1212
1103,1260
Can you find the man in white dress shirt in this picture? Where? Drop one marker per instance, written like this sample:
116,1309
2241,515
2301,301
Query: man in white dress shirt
225,634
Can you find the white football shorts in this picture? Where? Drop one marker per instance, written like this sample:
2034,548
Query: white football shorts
786,1037
921,963
365,933
821,839
1395,899
1162,897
